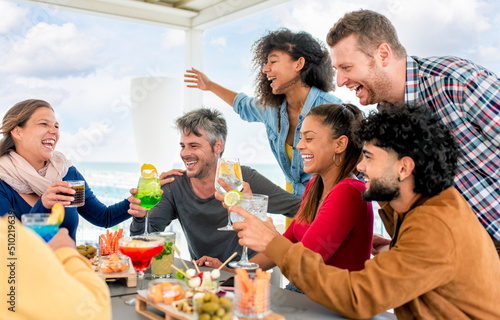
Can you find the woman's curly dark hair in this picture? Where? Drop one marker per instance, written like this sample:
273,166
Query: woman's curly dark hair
317,70
417,132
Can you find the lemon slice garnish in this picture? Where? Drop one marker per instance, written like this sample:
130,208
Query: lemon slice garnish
57,214
232,198
237,171
148,171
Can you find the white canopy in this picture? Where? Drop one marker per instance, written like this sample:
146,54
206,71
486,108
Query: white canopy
185,14
193,16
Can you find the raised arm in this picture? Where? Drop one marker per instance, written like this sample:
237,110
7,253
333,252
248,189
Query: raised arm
197,79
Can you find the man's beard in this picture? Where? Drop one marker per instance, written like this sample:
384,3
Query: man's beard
379,87
380,192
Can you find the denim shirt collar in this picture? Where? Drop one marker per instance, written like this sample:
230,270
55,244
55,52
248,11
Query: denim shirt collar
308,104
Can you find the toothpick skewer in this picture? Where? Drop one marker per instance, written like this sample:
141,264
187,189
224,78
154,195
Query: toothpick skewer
183,273
196,267
228,260
179,254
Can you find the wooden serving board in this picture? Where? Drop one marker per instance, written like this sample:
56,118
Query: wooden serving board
170,312
173,314
130,276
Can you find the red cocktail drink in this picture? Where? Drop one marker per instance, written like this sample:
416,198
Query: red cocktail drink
141,256
141,249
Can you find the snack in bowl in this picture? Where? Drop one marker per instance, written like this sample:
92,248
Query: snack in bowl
166,290
211,306
113,263
88,251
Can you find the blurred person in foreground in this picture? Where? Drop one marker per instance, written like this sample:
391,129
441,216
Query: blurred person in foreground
33,174
333,219
441,263
190,197
370,60
49,281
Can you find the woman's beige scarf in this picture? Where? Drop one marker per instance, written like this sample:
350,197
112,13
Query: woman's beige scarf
22,177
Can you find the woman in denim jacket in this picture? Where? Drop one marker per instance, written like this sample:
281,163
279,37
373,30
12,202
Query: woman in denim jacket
296,76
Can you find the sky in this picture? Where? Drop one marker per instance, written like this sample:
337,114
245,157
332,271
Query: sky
83,64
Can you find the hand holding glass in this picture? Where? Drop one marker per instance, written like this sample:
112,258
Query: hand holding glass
148,191
255,204
228,170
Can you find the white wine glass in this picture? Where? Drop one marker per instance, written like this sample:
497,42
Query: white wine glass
229,170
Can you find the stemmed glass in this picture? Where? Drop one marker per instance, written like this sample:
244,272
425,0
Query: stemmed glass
38,223
229,170
255,204
140,250
148,191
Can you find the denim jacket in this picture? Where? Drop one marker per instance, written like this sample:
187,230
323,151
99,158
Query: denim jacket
249,110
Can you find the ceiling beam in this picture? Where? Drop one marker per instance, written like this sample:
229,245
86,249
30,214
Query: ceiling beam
217,14
229,10
131,9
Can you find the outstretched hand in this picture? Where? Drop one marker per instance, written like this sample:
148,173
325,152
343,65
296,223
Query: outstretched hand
197,79
253,232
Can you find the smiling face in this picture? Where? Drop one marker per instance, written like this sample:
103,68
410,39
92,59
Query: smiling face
316,146
37,140
359,72
282,72
198,156
379,171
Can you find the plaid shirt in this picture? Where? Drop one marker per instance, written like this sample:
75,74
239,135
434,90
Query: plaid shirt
467,98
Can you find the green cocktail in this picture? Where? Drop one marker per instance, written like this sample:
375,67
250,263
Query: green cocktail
148,190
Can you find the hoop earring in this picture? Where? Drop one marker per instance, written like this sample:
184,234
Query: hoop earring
335,160
399,179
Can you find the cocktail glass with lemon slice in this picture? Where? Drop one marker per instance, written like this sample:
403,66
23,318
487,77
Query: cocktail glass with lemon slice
256,204
229,170
45,225
148,190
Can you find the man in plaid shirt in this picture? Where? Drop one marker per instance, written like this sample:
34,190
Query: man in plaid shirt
370,59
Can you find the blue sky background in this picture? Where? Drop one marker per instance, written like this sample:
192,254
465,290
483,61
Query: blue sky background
83,63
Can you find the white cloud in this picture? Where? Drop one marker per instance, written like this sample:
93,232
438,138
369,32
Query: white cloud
463,28
173,39
12,17
52,50
218,42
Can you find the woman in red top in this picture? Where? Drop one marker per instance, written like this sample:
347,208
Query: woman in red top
333,219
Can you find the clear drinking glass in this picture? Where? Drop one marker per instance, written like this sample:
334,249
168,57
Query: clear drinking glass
256,291
161,265
229,170
255,204
140,250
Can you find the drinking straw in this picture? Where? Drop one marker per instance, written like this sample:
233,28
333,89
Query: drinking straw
183,273
179,254
228,260
196,267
